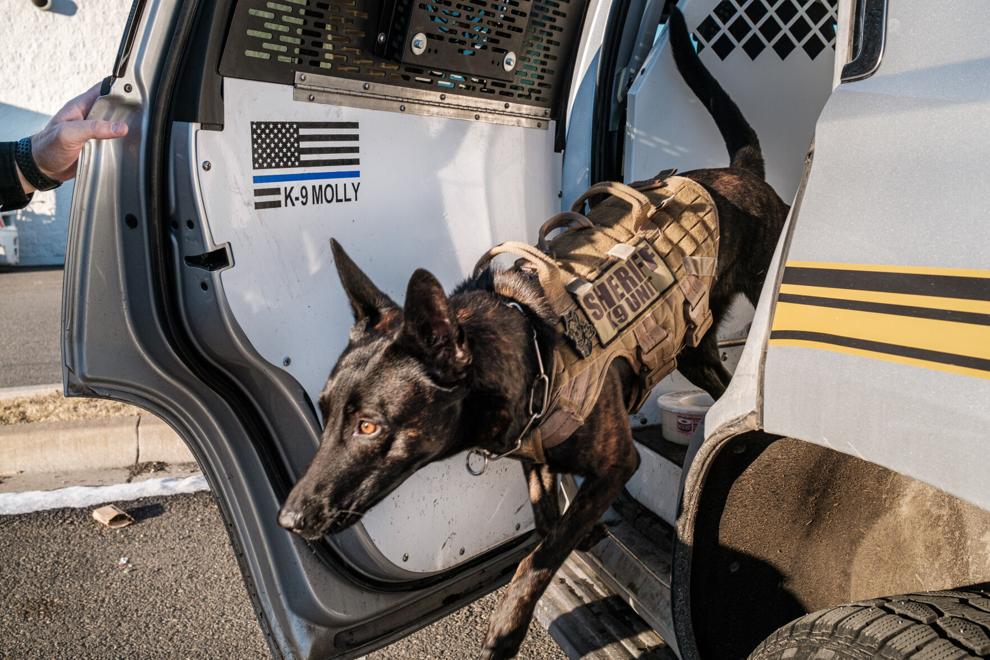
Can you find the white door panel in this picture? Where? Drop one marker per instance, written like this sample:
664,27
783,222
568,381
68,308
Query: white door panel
431,193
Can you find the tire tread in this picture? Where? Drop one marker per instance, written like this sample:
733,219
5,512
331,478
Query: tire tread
938,625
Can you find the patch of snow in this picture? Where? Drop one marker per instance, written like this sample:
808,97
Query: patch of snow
79,497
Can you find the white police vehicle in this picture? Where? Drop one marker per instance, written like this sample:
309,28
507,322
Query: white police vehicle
847,463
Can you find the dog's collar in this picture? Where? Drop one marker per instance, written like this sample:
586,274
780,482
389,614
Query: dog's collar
539,401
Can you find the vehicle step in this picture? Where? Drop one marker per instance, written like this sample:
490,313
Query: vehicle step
589,620
657,484
652,438
634,560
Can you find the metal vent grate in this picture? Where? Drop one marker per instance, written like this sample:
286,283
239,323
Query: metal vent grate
270,40
782,25
476,37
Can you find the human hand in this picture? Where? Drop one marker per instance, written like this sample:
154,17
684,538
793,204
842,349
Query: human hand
57,146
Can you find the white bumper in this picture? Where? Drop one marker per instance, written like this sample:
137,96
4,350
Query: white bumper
9,252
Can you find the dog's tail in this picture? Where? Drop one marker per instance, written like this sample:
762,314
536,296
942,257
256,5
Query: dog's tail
740,138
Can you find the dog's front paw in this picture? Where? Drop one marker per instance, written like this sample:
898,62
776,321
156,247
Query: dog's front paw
597,533
501,649
504,639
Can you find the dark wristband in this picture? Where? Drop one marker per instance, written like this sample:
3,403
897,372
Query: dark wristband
12,196
30,169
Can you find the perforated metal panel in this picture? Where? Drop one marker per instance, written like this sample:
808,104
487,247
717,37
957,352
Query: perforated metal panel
476,37
271,40
782,25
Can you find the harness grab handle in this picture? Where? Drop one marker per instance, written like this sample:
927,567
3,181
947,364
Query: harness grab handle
640,203
547,271
564,219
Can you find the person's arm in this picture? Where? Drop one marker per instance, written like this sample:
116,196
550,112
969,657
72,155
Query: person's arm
13,195
49,157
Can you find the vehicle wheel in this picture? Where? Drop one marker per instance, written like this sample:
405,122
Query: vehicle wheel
939,625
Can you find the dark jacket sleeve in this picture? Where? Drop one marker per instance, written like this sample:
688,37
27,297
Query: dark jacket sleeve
12,196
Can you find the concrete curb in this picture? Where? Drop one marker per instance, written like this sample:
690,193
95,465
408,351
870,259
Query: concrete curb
110,442
7,393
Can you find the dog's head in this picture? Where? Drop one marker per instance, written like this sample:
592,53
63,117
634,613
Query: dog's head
391,404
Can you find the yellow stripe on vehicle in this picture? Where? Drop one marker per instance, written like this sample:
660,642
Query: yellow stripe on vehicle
911,300
885,357
884,268
928,334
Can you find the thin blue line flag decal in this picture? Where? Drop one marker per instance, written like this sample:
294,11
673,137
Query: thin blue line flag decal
301,151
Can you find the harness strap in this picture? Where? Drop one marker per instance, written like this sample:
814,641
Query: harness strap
564,219
697,313
531,447
547,271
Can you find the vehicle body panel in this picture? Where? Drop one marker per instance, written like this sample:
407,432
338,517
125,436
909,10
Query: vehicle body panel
896,186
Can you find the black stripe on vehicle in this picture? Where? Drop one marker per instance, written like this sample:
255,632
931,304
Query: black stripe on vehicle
884,308
276,204
327,124
881,347
304,151
943,286
327,163
264,192
329,137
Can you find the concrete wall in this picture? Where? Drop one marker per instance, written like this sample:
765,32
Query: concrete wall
46,58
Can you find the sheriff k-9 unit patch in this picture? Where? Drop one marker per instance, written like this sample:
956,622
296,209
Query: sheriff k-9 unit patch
304,163
625,290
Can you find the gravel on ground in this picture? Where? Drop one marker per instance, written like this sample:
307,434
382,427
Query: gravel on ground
56,408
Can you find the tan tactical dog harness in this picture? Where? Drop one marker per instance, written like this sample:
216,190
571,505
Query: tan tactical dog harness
628,280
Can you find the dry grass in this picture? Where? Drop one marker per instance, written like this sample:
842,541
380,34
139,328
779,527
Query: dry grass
56,408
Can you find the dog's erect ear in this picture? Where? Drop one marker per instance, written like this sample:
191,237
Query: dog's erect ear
368,303
430,328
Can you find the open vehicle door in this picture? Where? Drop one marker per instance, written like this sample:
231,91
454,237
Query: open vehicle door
200,284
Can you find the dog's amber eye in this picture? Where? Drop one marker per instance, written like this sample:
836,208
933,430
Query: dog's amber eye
365,427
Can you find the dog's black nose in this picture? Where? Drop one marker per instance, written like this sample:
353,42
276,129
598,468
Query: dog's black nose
291,520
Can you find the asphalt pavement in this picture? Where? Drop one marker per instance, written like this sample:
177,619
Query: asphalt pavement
30,308
67,592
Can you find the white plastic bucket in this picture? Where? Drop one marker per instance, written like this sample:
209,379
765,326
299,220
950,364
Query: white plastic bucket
682,415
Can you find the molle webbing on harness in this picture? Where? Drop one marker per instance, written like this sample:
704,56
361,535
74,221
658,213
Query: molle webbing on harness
630,280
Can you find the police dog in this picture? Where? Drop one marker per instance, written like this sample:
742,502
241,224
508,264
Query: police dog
443,374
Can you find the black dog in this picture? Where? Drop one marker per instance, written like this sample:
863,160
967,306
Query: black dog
441,375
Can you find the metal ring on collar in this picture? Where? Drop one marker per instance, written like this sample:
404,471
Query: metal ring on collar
484,465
